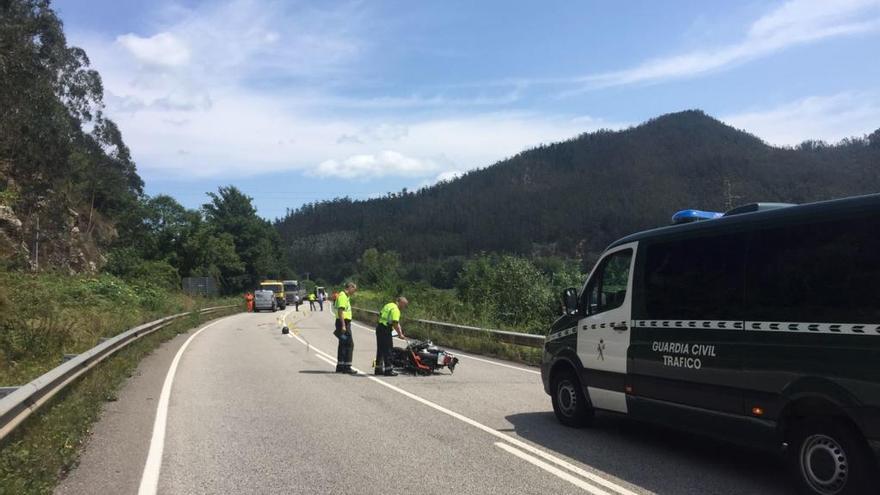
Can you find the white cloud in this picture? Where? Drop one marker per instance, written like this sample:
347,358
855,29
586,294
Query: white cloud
375,165
795,22
375,133
254,98
828,118
162,49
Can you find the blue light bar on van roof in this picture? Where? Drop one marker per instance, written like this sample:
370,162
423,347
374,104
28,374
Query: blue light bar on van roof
688,216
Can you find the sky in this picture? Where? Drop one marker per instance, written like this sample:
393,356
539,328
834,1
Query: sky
297,101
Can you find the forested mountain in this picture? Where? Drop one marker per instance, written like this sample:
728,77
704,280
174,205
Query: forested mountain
573,198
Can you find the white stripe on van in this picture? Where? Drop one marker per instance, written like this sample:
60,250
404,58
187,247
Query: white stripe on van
766,326
753,326
801,327
695,324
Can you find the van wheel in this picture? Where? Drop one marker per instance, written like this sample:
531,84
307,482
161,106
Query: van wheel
569,402
829,458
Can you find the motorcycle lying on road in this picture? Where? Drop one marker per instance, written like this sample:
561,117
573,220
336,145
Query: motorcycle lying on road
422,357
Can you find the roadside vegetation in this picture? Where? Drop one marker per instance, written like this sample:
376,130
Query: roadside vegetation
493,291
484,344
501,292
45,316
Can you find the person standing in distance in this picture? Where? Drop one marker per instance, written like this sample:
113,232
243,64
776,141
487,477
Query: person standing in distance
343,330
249,299
389,319
311,301
321,299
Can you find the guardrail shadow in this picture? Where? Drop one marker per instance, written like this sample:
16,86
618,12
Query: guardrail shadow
658,459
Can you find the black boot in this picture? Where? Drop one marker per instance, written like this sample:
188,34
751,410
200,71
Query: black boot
391,372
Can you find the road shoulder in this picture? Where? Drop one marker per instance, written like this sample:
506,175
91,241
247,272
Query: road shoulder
113,457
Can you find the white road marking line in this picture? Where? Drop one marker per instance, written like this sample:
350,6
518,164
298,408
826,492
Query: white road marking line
596,478
457,353
326,360
150,478
497,364
583,485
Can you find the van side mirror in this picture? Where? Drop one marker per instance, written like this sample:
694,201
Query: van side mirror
570,300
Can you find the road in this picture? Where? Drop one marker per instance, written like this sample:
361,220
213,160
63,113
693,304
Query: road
250,410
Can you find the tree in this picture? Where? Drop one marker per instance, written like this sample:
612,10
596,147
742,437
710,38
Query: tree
257,243
208,253
507,289
57,146
380,270
159,232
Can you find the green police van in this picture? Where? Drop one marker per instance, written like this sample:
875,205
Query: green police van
760,326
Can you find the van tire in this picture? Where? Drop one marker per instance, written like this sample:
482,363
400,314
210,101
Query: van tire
569,402
828,457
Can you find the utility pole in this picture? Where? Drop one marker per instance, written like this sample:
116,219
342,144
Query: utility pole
37,246
729,197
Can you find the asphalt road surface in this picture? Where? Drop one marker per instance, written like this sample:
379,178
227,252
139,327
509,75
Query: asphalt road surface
249,410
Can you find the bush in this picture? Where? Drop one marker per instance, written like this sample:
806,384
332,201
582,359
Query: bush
494,291
126,264
507,289
381,270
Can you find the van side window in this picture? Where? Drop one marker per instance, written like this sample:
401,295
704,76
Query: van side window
607,288
695,279
819,272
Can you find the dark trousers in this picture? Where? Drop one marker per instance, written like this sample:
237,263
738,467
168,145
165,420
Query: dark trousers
346,345
384,344
321,303
311,305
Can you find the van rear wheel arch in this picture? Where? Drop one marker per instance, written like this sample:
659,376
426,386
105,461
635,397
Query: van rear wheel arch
828,455
812,407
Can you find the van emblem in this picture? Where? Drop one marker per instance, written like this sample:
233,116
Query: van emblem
601,348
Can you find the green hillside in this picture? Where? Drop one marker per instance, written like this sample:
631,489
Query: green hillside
571,199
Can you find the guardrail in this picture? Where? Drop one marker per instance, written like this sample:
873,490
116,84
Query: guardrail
21,402
516,338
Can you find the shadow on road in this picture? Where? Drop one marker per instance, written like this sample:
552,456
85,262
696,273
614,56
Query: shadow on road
655,458
317,372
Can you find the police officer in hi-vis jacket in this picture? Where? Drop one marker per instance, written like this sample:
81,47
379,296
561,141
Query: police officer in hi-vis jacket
343,330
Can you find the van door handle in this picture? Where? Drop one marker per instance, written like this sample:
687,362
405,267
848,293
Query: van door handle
622,327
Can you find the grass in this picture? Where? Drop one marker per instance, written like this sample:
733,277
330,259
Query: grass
47,445
429,303
464,340
45,316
